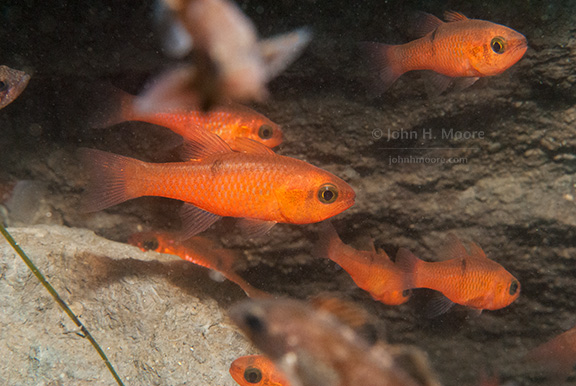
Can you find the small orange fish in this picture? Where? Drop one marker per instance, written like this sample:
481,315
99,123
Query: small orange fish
373,271
12,83
466,278
258,185
197,250
557,356
461,47
228,121
257,370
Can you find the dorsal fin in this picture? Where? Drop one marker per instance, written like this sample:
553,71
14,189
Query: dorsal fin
346,312
200,143
247,145
424,23
451,16
453,248
476,251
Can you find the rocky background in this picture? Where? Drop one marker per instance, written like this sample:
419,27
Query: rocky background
163,321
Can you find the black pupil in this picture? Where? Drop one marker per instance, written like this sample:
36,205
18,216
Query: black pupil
254,323
328,195
497,46
3,86
513,288
265,132
150,245
252,375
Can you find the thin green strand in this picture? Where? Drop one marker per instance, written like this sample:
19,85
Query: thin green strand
59,300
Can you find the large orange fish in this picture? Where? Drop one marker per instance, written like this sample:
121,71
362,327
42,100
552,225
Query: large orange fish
257,185
12,83
257,370
461,47
198,250
373,271
229,121
557,356
468,278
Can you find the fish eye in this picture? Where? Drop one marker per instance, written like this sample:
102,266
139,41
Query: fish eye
406,293
151,245
3,86
253,375
265,132
327,194
498,45
513,288
254,323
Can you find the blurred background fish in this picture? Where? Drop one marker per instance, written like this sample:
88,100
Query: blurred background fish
12,83
232,63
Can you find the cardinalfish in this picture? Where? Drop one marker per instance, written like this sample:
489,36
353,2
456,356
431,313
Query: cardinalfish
257,370
232,62
313,347
373,271
460,48
556,357
12,83
198,250
466,278
228,121
257,185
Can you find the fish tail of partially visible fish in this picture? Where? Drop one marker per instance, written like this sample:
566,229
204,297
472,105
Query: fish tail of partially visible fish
382,59
109,179
114,106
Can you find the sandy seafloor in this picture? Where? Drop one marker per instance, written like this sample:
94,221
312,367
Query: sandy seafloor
163,321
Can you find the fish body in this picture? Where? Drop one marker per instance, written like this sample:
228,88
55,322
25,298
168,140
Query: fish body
557,356
258,185
314,348
12,83
257,370
228,121
233,63
373,271
466,278
198,250
460,47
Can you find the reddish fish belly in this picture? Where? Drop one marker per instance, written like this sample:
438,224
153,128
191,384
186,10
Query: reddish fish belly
226,185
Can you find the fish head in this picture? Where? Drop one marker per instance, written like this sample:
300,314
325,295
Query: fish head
262,130
255,370
497,49
12,83
146,241
313,196
506,291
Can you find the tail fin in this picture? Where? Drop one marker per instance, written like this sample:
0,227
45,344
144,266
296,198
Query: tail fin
408,263
382,62
328,241
113,106
109,174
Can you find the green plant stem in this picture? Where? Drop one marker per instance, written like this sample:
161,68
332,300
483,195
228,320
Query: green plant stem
59,300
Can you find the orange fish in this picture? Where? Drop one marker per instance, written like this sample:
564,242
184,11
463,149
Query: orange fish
257,370
12,83
228,121
197,250
466,278
373,271
461,47
557,356
257,185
